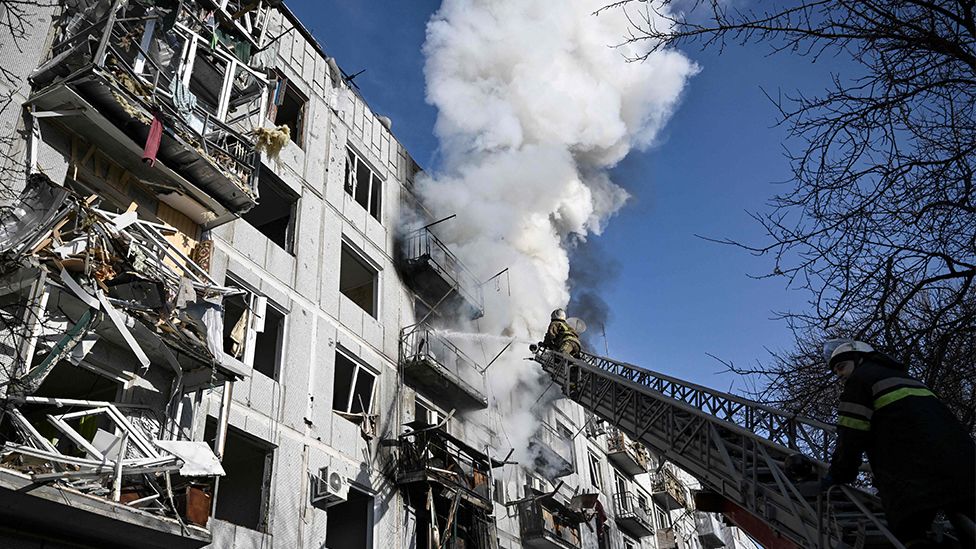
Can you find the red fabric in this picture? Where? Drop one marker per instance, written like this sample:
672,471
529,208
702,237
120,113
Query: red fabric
152,142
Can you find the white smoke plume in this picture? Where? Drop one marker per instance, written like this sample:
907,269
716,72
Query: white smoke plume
534,107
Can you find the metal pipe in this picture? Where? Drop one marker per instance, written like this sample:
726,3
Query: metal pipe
225,401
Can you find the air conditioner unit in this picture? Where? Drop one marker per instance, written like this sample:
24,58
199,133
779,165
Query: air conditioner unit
328,488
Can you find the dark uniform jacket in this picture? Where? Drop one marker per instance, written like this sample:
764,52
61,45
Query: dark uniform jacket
920,455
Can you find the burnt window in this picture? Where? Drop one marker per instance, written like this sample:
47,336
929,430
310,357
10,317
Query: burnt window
253,329
352,389
242,497
363,184
288,109
275,214
358,280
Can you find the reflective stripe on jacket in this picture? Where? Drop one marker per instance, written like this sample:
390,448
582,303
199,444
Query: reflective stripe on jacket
921,457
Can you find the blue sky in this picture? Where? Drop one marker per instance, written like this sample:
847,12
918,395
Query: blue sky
677,296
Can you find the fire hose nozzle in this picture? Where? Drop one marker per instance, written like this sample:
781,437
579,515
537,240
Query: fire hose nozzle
534,347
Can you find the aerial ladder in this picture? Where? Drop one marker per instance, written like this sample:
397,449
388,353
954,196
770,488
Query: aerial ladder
743,453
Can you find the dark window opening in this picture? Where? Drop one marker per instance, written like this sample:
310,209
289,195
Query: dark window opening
288,109
239,331
274,216
268,344
357,281
242,497
235,335
352,389
350,524
596,475
498,492
66,380
207,80
363,184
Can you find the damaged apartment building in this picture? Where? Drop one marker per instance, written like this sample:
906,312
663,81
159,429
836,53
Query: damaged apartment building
214,332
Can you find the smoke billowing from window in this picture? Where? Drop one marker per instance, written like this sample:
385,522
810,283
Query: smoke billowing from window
534,108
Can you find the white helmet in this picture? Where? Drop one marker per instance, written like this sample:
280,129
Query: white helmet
837,350
558,314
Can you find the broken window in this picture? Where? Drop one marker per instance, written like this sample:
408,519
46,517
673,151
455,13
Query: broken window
268,343
498,491
274,216
596,473
288,109
350,524
253,329
426,413
242,495
629,543
352,390
363,184
358,280
663,517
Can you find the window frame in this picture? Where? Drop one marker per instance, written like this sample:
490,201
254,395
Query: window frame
358,365
272,115
281,190
252,303
369,265
351,183
596,472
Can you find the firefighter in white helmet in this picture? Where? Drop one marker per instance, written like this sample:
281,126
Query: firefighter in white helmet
561,336
922,459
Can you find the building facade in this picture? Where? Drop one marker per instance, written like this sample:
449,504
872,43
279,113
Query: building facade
219,330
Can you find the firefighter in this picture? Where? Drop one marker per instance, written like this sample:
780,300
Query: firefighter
922,459
561,336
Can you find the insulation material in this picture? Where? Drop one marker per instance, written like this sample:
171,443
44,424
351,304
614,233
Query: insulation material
198,459
271,140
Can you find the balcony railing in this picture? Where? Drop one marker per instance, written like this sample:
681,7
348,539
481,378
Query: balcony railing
666,539
441,369
668,490
435,456
544,524
438,274
117,66
629,456
711,533
631,515
553,454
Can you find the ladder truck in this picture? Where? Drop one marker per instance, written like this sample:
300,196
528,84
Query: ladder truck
741,451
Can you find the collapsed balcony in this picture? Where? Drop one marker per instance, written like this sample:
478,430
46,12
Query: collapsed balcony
552,453
131,76
438,276
631,516
668,491
430,455
441,370
107,328
711,533
545,522
629,456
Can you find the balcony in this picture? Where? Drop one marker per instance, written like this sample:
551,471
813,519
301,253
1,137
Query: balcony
441,370
546,523
711,533
666,539
552,453
668,491
629,456
630,516
438,276
436,457
109,80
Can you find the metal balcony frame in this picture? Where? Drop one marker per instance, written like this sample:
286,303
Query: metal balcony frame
626,506
413,351
423,245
